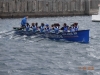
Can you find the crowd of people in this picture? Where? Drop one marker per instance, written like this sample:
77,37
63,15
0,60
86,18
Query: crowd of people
54,28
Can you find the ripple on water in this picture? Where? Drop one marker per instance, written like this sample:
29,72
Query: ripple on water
24,55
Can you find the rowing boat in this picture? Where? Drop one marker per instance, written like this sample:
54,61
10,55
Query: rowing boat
77,36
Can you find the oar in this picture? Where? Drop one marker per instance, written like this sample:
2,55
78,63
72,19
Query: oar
6,32
40,40
4,35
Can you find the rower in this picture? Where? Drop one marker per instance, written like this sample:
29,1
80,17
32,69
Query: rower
23,22
47,29
42,28
27,27
72,28
52,30
36,25
65,28
56,29
76,26
57,24
33,28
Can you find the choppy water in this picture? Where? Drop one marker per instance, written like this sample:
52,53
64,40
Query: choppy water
23,55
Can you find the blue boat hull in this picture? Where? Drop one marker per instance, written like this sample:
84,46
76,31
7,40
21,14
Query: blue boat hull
79,36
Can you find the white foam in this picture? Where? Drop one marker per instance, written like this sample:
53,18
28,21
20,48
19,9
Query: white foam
93,37
94,56
91,48
24,36
33,36
24,39
2,32
11,37
31,41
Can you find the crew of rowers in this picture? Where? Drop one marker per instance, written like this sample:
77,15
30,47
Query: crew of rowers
55,28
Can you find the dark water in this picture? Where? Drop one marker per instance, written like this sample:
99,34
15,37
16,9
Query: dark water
23,55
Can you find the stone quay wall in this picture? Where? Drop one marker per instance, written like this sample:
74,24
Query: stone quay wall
41,8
